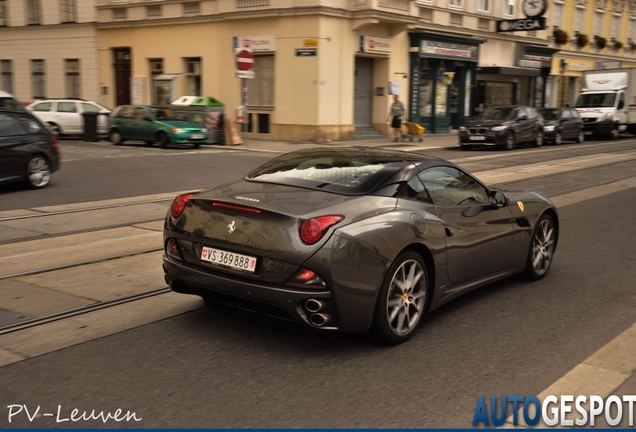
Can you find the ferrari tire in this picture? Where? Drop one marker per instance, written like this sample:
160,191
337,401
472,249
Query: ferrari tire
402,300
542,248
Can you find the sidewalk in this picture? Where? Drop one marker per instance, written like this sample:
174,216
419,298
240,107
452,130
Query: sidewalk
432,141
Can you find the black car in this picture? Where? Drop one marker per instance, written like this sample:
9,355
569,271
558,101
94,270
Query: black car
354,239
503,127
28,150
562,124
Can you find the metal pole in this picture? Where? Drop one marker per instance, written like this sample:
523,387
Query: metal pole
244,103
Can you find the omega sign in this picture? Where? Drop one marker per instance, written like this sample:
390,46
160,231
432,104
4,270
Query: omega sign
521,24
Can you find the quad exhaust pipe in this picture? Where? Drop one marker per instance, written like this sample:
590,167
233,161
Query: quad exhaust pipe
319,319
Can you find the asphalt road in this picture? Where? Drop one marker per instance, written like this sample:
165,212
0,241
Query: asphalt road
219,367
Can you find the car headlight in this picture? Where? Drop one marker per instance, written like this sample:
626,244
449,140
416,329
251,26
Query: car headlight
498,128
548,128
177,130
462,129
607,116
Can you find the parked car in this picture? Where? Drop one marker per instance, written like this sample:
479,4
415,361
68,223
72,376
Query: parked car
64,116
9,102
28,150
562,124
503,127
154,124
354,239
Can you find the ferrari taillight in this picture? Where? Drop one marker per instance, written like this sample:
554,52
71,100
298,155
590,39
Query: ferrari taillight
56,141
179,205
312,230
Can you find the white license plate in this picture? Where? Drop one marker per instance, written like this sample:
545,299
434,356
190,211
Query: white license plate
196,137
478,138
587,133
229,259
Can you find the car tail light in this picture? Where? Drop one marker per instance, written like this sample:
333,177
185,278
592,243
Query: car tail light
308,279
236,207
314,229
172,249
179,205
56,141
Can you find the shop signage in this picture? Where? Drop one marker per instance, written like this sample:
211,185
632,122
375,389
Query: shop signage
254,43
578,67
523,24
375,45
306,52
544,61
448,49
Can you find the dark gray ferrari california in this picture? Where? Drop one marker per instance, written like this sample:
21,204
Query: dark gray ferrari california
354,239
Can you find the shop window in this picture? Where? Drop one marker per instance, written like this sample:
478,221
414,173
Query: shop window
7,76
260,89
68,10
426,90
37,79
33,12
72,67
4,13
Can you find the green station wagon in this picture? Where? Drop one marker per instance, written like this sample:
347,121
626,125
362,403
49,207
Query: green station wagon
153,124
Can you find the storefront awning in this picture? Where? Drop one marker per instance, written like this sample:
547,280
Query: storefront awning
509,70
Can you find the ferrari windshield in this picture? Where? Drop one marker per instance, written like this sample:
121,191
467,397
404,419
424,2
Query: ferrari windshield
499,113
596,100
340,172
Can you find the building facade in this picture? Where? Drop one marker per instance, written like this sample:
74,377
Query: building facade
590,35
49,49
323,69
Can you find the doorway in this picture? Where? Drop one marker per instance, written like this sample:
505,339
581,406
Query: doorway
363,82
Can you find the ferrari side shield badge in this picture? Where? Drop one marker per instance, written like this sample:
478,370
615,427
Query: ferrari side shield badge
521,207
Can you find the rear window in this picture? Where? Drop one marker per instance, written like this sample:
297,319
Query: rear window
345,173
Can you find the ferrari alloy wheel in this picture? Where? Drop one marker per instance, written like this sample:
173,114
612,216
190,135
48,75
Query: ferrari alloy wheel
580,137
38,172
538,140
402,300
116,138
510,141
163,139
558,138
542,248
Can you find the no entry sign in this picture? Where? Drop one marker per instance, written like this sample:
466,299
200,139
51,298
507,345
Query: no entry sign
244,63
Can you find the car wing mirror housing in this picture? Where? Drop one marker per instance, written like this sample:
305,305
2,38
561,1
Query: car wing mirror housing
497,199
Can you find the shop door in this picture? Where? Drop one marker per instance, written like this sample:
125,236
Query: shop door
122,75
362,91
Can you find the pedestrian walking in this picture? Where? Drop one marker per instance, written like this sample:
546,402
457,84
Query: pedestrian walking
397,114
